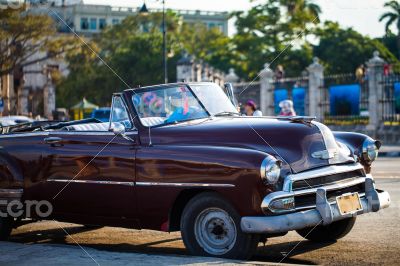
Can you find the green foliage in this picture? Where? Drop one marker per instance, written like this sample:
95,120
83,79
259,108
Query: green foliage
343,50
392,17
209,45
131,56
23,34
390,41
274,31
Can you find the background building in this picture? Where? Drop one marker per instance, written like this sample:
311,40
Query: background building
90,19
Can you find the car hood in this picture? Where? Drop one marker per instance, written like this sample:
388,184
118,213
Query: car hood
302,145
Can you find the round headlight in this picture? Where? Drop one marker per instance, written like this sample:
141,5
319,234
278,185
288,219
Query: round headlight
370,150
270,170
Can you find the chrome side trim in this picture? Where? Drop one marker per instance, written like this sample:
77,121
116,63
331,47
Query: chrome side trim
325,171
142,184
20,135
47,133
146,184
11,193
99,182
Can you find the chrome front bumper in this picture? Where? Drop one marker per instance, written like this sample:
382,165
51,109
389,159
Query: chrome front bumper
324,212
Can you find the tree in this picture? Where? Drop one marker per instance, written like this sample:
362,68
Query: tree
390,41
209,45
393,17
343,50
301,14
273,31
23,35
131,56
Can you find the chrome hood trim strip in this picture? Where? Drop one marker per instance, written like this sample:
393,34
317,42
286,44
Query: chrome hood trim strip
336,152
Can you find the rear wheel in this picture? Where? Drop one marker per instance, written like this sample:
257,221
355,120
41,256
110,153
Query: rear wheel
6,226
329,232
210,226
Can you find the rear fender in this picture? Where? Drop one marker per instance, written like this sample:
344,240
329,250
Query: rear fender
10,172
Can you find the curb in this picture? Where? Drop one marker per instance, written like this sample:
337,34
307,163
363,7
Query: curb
49,254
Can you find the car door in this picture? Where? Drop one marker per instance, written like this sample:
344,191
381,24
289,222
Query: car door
91,177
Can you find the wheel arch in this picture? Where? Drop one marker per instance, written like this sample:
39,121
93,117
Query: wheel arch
180,203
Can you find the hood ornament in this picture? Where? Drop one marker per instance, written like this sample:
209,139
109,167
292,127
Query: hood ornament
325,154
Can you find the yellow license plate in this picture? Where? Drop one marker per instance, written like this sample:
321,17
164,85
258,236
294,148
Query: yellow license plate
349,203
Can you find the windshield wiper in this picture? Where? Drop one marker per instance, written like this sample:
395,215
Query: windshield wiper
226,114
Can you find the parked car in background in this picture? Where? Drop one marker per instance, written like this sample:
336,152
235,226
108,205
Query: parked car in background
179,157
102,114
14,120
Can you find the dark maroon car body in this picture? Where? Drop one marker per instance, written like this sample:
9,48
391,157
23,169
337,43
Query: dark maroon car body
100,178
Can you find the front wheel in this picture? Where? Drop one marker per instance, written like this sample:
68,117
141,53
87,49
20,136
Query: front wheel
329,232
210,226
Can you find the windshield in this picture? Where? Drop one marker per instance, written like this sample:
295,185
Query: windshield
213,98
168,105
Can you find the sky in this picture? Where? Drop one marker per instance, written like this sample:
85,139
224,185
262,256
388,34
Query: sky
362,15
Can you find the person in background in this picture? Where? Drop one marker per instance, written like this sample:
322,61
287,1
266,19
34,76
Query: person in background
360,74
287,108
279,73
251,109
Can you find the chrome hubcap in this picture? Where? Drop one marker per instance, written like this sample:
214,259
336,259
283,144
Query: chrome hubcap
215,231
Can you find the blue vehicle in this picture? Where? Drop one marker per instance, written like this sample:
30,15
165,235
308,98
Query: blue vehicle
102,114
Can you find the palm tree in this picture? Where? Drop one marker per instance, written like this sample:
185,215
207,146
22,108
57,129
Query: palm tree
393,17
304,6
301,13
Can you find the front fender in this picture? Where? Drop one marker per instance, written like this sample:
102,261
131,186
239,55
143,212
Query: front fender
355,143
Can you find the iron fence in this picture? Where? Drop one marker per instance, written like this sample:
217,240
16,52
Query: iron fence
295,89
344,100
247,91
390,100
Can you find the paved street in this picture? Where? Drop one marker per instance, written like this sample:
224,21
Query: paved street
373,240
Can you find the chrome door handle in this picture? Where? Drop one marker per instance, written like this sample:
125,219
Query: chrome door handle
53,140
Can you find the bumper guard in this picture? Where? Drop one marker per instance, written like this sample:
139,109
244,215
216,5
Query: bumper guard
324,213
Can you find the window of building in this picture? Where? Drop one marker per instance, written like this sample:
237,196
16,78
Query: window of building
93,23
84,24
115,21
102,23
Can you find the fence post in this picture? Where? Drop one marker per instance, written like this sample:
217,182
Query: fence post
231,77
374,75
315,82
266,91
49,97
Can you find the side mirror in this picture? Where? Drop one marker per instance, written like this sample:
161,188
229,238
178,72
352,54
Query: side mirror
230,93
117,128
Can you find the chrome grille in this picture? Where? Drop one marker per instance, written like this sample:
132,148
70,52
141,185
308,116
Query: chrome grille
325,180
308,201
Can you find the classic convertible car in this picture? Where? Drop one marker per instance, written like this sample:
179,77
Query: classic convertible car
179,157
